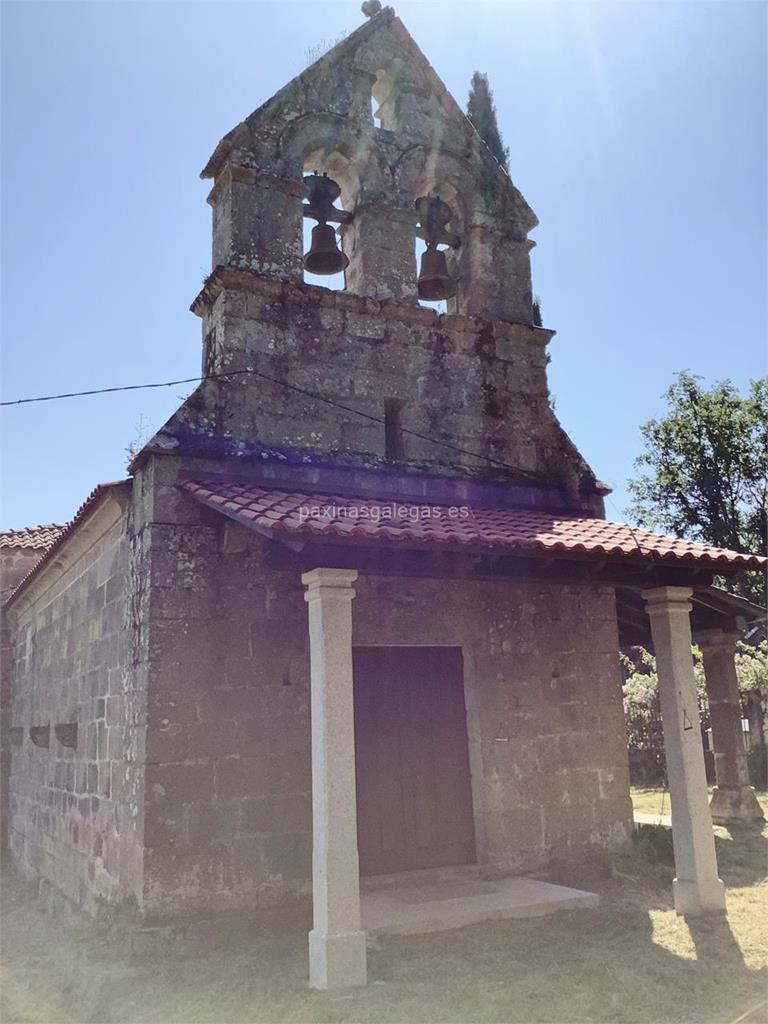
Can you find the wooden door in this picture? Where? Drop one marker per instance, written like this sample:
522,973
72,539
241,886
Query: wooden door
414,799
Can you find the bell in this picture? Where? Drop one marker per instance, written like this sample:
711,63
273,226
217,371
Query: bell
325,256
434,280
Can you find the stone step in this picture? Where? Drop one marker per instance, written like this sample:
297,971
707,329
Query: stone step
411,909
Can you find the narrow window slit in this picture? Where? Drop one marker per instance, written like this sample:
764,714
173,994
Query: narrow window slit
394,447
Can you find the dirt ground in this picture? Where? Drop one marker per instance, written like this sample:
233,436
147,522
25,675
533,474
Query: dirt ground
630,960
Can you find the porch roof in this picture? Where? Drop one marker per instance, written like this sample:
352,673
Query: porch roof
294,516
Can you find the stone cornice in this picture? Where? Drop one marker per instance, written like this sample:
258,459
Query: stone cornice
238,279
251,176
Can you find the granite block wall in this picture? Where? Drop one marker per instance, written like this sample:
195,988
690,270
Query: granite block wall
465,382
160,713
228,783
228,808
76,732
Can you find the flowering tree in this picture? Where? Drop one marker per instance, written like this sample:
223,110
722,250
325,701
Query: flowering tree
752,667
641,704
642,707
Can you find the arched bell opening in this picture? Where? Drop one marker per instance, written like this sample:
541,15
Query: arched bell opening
331,185
324,260
442,175
437,243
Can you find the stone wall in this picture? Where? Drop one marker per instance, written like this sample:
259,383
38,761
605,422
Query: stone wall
214,838
546,723
467,383
228,816
171,618
15,563
75,726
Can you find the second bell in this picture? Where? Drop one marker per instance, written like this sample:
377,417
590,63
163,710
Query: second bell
325,256
434,280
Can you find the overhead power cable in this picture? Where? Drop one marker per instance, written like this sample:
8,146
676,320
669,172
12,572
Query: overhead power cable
536,477
123,387
291,387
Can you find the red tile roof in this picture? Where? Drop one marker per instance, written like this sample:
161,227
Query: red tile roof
65,531
37,537
383,521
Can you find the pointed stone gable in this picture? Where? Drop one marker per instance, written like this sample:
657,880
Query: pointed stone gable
418,143
389,61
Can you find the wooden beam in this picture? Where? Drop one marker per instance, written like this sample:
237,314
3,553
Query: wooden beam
435,564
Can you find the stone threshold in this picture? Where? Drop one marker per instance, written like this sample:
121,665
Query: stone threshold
438,900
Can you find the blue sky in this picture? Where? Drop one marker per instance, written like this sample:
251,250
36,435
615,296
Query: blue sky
637,132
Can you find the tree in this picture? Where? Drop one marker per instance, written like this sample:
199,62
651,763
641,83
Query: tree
706,465
481,111
642,705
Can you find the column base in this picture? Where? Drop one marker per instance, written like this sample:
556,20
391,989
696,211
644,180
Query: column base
694,898
733,805
337,961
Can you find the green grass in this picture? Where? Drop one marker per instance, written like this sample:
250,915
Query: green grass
630,960
655,799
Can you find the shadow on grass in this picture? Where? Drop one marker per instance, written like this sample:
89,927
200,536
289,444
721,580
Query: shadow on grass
742,851
715,942
630,961
742,854
592,966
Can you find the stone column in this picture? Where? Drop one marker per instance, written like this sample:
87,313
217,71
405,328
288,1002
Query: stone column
733,799
495,279
697,888
257,223
337,955
380,242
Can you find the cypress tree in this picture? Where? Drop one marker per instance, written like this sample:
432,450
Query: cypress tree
481,111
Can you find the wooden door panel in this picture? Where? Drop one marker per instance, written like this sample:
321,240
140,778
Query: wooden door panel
414,801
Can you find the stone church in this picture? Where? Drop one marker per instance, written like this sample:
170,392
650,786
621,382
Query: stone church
356,611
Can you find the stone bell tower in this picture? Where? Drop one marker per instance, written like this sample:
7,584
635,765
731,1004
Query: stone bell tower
369,147
418,143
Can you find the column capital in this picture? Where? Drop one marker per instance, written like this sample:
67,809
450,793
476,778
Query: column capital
324,582
718,637
668,597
